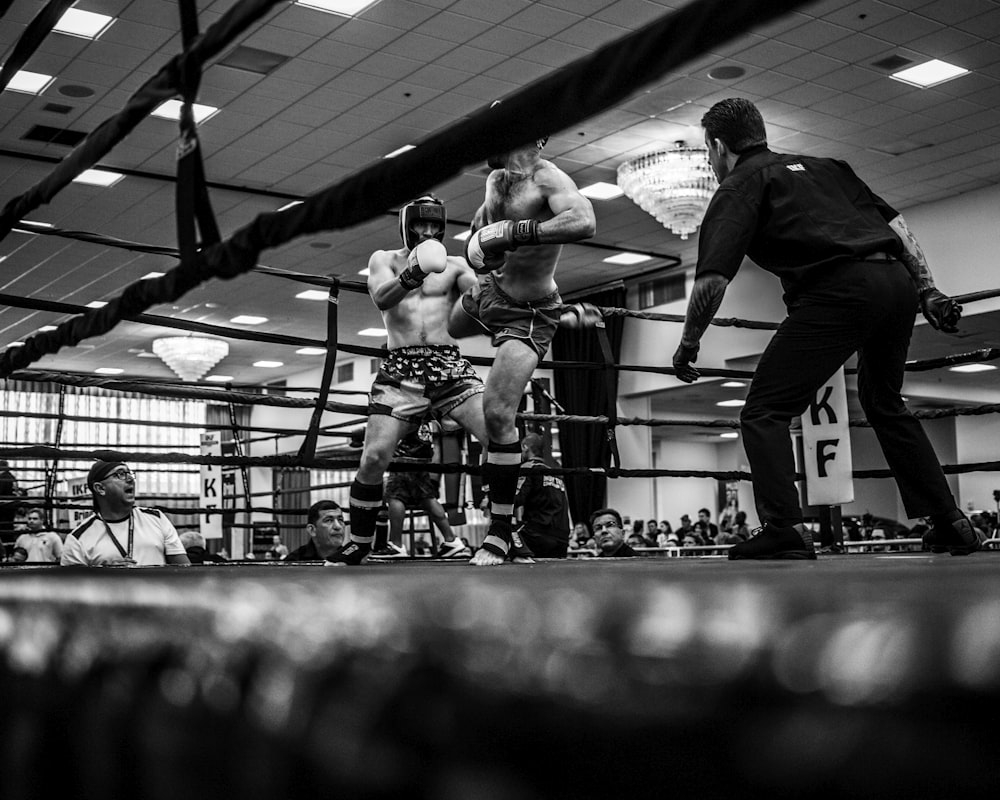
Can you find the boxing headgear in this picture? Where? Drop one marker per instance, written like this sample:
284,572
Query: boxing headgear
427,208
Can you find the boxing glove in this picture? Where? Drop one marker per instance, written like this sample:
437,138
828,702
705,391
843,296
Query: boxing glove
427,257
484,249
581,315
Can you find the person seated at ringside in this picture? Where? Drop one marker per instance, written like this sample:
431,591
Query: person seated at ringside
38,545
540,503
194,546
606,523
120,533
326,529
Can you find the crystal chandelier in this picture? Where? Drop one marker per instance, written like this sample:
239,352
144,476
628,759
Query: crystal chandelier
672,185
190,356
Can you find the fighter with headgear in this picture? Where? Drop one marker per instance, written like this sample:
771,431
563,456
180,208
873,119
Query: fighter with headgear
423,376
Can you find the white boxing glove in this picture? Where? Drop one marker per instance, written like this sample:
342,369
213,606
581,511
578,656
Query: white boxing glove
427,257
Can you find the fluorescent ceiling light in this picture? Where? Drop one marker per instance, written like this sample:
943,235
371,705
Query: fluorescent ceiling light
83,23
345,8
928,74
219,378
373,332
247,319
269,364
30,226
16,344
366,272
291,205
150,275
729,435
399,151
627,258
733,385
311,351
601,191
96,304
313,294
171,109
29,82
98,177
109,371
972,368
462,236
47,328
732,403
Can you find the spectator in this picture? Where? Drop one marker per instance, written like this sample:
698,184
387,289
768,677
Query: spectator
8,505
606,523
652,531
278,549
411,490
39,544
708,529
326,529
636,540
581,535
740,527
194,546
120,533
684,526
540,503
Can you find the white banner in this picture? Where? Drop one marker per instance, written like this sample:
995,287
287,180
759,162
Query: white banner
78,491
826,440
211,487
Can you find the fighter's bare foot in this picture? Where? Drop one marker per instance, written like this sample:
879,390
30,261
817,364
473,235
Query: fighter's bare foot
522,560
484,558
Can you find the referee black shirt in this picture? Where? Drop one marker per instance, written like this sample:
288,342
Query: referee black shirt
543,498
795,216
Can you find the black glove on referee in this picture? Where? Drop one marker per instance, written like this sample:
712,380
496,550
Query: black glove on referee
941,311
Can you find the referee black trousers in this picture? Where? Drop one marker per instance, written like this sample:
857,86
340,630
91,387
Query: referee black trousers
863,307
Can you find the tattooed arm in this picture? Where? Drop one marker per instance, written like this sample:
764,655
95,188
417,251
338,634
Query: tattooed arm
706,297
940,311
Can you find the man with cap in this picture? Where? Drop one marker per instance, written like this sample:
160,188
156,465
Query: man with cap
424,376
120,533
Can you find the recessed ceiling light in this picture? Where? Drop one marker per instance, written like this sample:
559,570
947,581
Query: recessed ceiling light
727,72
366,272
313,294
972,368
373,332
29,82
729,435
269,364
399,151
732,403
109,371
150,275
97,304
47,328
733,385
98,177
462,236
171,109
219,378
345,8
311,351
627,258
247,319
601,191
86,24
928,74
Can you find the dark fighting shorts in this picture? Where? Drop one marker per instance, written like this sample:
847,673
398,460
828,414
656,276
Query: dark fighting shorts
411,488
533,322
426,379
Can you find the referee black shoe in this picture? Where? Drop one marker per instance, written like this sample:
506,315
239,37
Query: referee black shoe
772,543
958,537
352,554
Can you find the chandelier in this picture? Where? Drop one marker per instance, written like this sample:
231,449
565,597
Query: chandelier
672,185
190,356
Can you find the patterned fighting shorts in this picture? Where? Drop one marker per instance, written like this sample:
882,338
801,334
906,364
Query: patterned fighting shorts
425,380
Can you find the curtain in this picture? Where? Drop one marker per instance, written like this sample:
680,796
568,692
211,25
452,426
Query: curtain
585,392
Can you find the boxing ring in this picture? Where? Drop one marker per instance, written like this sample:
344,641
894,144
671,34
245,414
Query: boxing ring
871,674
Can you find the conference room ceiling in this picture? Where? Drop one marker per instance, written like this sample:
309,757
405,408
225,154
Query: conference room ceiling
308,98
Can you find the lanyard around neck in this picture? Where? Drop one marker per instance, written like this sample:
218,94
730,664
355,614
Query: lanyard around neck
131,535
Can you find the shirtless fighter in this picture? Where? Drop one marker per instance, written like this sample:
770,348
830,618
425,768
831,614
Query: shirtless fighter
424,375
531,208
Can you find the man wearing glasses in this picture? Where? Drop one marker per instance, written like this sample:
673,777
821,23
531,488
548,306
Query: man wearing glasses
606,523
120,533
